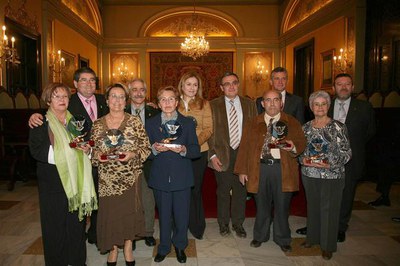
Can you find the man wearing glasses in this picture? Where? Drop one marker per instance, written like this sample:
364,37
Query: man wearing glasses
230,113
90,105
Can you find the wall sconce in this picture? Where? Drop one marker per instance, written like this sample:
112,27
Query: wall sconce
124,74
260,73
57,66
7,53
343,62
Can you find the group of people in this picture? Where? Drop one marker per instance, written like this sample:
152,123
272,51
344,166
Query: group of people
146,155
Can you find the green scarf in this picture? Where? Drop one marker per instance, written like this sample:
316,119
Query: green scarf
74,168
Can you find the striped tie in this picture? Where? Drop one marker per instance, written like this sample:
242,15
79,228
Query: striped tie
233,127
91,112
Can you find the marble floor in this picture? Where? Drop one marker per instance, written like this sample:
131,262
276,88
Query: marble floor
373,238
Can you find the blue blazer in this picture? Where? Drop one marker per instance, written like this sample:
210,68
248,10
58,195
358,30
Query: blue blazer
169,170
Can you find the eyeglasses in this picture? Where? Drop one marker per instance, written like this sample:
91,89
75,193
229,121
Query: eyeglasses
118,97
269,100
164,100
320,104
229,84
84,80
59,97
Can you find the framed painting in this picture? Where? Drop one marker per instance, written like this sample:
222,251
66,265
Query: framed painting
82,61
327,69
67,76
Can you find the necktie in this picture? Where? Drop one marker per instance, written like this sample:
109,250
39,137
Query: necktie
91,112
342,113
233,127
266,152
137,111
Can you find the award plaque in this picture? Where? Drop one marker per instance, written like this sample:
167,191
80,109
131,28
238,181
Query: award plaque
318,148
113,139
279,133
78,127
172,130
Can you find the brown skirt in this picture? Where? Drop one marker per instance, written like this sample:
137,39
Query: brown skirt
120,218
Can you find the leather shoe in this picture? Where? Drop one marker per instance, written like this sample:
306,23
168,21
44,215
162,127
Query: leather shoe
159,257
286,248
382,200
224,230
302,231
396,219
240,232
180,255
326,255
130,263
114,263
255,244
149,241
341,237
305,245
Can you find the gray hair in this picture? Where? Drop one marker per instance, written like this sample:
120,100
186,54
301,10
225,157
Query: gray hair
319,94
137,80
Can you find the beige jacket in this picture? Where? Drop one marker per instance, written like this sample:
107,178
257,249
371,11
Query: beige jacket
203,121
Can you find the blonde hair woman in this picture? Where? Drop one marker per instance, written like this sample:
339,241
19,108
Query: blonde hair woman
194,106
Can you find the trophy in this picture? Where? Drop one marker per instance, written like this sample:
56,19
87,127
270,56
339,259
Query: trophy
279,133
114,139
78,127
172,130
317,148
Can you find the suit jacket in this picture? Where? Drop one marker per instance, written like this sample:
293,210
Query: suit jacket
248,158
76,107
169,170
219,140
149,112
293,106
360,122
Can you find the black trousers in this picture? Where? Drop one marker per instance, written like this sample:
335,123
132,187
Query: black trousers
91,233
197,222
230,205
273,206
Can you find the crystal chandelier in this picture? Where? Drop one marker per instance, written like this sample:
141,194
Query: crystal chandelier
195,45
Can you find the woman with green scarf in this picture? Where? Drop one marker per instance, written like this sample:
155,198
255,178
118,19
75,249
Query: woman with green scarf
66,189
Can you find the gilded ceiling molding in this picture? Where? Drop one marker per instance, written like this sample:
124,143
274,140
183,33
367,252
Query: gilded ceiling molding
22,16
297,11
86,10
177,22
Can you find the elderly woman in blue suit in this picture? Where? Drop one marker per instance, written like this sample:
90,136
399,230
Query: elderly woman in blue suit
174,145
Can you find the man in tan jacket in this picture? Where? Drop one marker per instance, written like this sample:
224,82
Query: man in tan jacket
230,112
270,170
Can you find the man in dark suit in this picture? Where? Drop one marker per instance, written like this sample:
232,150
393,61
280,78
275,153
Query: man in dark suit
292,104
230,112
90,105
137,93
359,118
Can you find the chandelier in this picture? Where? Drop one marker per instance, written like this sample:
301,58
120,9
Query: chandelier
7,53
57,65
123,73
195,45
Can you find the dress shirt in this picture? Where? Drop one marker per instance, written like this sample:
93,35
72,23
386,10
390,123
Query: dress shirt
239,112
92,104
275,153
337,106
142,111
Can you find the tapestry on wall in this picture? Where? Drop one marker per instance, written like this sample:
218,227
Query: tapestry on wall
166,68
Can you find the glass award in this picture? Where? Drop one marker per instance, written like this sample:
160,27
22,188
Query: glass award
172,130
279,133
78,127
317,150
113,139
